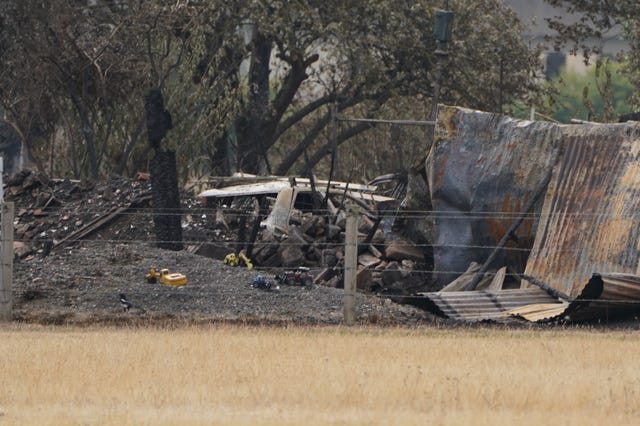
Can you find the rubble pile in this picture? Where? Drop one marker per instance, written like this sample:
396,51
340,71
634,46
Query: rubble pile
303,235
50,213
385,263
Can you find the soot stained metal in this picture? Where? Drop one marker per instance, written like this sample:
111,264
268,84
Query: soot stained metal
483,168
590,221
583,239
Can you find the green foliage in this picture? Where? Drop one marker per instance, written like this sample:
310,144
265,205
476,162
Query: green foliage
598,20
600,93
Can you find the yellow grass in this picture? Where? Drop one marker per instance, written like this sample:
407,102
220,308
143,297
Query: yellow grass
252,375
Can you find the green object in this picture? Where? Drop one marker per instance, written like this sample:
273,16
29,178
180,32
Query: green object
444,26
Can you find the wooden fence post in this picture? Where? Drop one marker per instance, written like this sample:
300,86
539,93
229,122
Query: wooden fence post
6,253
350,264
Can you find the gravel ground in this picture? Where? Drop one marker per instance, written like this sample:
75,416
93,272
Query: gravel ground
80,284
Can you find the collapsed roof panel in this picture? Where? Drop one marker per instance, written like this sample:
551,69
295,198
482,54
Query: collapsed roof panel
274,186
603,296
483,168
473,306
589,222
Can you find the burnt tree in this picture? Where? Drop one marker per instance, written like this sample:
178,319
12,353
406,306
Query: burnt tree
164,176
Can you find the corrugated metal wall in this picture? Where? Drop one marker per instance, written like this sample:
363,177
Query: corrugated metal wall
590,219
482,170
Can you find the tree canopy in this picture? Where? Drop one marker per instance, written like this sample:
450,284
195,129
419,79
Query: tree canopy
250,85
597,19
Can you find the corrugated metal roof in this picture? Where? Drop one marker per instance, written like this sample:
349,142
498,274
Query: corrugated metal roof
475,306
603,296
539,312
590,222
619,294
275,186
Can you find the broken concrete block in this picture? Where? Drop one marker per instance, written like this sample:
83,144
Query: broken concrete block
365,224
291,255
378,237
391,274
264,251
20,249
367,260
333,231
400,250
329,257
297,237
314,226
363,279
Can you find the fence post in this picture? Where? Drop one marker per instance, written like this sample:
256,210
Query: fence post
350,264
6,253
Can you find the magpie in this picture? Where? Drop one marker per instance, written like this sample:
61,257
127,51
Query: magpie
126,305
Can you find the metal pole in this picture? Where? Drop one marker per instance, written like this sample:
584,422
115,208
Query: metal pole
501,82
350,264
433,116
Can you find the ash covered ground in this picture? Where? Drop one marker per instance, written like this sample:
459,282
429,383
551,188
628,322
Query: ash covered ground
60,278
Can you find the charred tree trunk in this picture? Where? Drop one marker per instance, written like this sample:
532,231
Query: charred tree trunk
166,200
164,176
251,150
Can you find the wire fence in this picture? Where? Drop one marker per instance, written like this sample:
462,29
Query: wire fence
199,227
201,220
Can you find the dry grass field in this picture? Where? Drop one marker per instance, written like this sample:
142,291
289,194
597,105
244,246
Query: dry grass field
332,375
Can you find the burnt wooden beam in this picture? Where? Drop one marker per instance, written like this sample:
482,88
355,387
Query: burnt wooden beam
100,222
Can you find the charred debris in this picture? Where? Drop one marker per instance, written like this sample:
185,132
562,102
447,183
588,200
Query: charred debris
280,223
285,223
526,220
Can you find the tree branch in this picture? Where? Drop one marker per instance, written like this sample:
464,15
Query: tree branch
326,148
302,113
290,87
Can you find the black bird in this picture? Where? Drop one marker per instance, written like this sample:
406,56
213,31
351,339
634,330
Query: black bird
126,305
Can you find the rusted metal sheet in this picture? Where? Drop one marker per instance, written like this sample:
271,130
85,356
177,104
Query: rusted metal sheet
590,222
620,294
473,306
482,170
540,312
